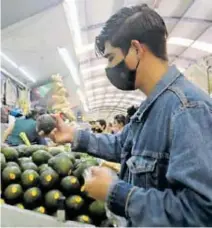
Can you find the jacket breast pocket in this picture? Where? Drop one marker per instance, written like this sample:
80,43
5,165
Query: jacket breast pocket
148,170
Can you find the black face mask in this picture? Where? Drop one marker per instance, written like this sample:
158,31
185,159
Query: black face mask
121,76
98,130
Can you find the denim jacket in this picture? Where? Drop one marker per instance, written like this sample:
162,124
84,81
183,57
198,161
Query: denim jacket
166,157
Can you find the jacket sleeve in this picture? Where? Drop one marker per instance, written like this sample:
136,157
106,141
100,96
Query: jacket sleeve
105,146
190,167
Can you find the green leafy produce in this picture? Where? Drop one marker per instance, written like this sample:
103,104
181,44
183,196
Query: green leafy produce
3,161
70,184
13,192
97,208
52,198
61,165
29,178
11,154
49,178
11,174
84,219
41,157
75,202
32,196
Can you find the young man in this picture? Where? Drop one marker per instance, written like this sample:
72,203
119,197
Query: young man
119,123
100,126
166,149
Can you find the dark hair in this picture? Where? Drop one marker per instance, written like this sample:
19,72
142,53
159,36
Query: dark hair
134,23
102,123
131,111
121,119
33,114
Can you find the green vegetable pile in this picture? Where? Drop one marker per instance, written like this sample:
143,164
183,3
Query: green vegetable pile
36,177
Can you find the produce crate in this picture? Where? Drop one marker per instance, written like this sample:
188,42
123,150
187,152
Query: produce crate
15,217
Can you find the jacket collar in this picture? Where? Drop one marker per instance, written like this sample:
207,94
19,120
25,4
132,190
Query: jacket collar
169,78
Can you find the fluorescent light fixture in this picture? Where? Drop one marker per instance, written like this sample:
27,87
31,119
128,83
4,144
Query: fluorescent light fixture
26,74
95,68
180,41
89,83
72,18
9,60
69,64
200,45
12,77
203,46
85,48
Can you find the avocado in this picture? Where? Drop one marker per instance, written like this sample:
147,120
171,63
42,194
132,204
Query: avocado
11,174
29,178
55,151
9,164
70,184
21,150
10,154
41,157
2,201
97,208
29,165
81,167
48,178
40,209
19,205
24,160
61,165
13,192
3,161
52,198
32,196
43,168
84,219
68,155
33,148
75,202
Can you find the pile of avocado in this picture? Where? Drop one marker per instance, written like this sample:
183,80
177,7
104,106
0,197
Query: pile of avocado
36,177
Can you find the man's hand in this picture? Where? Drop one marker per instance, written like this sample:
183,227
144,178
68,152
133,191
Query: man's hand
63,133
98,185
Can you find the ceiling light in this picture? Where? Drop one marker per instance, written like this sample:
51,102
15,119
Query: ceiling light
202,46
90,69
27,74
12,77
180,41
9,60
69,64
72,18
90,82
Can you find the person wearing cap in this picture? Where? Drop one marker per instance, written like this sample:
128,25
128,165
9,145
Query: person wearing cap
166,149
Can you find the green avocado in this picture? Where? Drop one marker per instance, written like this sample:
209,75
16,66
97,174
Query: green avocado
29,165
40,209
9,164
49,178
13,192
24,160
29,178
43,168
41,157
55,151
70,184
11,154
52,198
97,208
84,219
21,150
3,161
32,196
11,174
33,148
61,165
75,202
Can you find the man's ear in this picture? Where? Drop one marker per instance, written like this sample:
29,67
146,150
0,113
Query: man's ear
139,48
